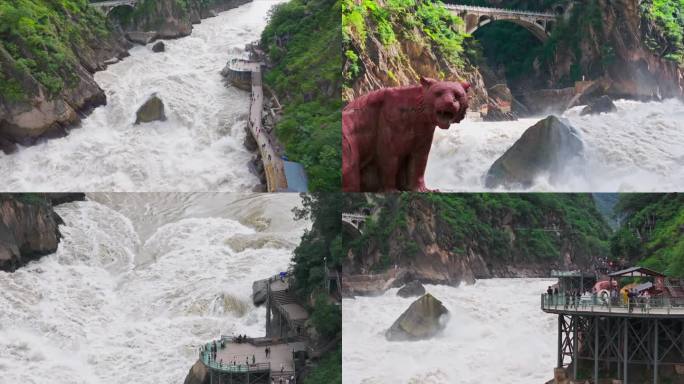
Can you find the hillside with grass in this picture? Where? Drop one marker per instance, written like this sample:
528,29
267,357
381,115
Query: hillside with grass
302,40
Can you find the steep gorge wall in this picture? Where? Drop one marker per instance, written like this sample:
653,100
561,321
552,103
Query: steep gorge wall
619,42
29,227
49,52
46,68
449,239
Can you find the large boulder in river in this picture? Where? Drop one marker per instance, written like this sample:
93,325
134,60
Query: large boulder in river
422,320
259,291
411,289
152,110
603,104
545,147
158,47
199,374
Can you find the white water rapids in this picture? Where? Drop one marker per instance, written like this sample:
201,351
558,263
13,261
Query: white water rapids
639,148
138,283
199,147
496,334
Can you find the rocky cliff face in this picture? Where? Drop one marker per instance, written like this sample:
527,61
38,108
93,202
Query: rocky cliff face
372,62
28,230
618,43
171,19
31,110
501,238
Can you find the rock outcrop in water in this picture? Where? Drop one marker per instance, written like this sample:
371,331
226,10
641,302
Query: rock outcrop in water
545,147
422,320
603,104
159,47
28,230
413,288
199,374
259,292
152,110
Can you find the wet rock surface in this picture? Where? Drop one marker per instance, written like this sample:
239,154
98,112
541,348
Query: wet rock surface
152,110
422,320
545,147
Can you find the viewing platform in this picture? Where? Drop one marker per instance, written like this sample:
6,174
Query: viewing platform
245,361
626,326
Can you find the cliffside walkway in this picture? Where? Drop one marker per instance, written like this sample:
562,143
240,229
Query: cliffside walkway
274,167
285,303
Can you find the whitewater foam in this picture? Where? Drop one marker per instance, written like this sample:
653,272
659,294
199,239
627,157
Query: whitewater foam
637,149
127,298
496,333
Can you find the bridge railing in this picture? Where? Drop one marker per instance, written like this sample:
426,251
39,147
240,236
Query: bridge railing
500,10
646,305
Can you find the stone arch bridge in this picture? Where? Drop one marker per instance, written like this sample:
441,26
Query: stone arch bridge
107,6
538,23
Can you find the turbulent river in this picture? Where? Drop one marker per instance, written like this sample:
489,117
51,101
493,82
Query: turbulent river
198,148
639,148
138,283
496,333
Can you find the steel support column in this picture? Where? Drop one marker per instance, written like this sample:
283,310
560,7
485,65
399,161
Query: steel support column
560,342
573,320
596,348
655,353
625,350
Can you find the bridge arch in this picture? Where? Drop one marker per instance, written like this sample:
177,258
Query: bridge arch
538,23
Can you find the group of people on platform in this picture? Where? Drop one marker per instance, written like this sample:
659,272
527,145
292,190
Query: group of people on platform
573,298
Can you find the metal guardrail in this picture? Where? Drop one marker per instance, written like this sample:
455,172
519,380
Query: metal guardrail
500,10
645,305
228,367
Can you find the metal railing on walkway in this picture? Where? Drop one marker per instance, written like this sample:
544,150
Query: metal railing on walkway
603,304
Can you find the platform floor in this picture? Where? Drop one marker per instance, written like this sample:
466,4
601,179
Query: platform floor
280,356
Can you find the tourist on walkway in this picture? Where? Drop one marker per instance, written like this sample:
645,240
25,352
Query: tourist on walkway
253,359
267,351
282,367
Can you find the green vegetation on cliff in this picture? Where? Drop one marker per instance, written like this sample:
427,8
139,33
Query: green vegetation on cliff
652,231
669,17
513,228
321,247
303,42
425,22
44,38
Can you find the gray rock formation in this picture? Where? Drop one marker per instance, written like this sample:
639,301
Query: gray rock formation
28,229
603,104
422,320
411,289
545,147
159,47
259,292
198,374
152,110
